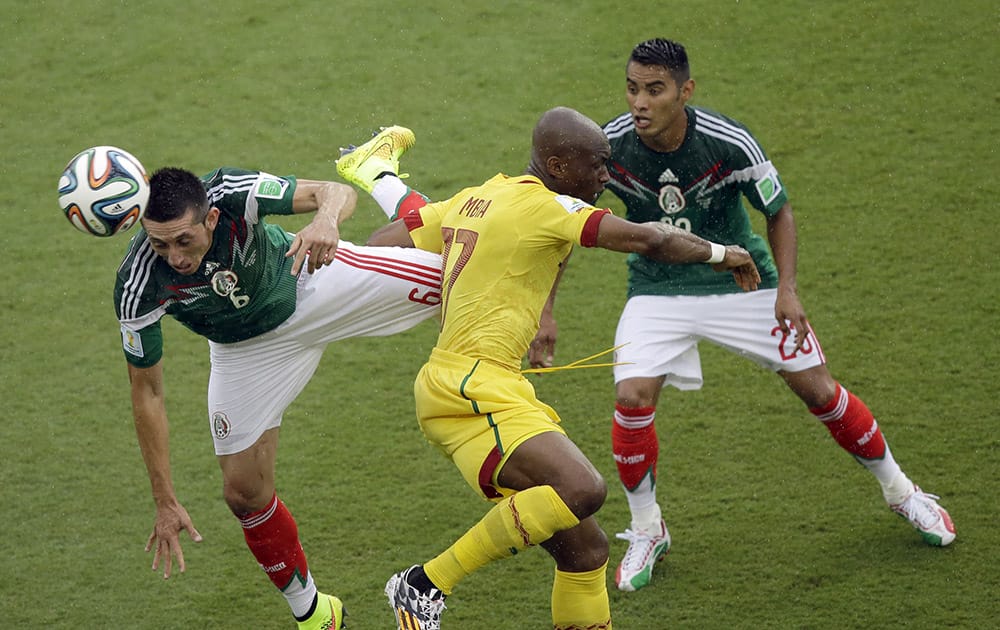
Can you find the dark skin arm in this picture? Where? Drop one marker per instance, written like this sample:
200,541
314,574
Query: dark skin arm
542,350
392,234
668,244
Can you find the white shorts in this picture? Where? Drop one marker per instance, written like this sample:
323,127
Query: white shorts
367,291
661,334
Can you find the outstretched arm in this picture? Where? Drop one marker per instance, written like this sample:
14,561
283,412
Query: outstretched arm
672,245
333,204
151,428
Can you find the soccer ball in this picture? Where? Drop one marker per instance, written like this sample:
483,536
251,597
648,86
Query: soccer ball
103,191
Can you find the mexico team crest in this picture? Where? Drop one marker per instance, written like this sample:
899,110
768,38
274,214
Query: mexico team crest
672,199
221,427
224,282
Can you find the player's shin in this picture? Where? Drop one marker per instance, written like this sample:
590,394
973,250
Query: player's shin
580,600
855,429
273,538
527,518
636,448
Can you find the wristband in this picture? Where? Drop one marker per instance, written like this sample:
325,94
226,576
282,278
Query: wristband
718,254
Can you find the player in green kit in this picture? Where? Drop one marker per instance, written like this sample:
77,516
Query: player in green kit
268,302
503,243
690,168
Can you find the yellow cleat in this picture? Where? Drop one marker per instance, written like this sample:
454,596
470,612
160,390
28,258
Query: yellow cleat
364,164
329,614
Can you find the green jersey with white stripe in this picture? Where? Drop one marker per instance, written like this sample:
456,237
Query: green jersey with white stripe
700,188
244,286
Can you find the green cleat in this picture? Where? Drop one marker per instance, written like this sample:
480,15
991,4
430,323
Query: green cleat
364,164
329,614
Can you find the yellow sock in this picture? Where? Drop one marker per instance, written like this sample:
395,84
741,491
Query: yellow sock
580,600
527,518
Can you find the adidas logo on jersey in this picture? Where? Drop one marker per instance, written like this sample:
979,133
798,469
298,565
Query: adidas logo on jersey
668,177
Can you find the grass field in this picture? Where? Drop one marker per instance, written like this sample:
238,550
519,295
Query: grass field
882,119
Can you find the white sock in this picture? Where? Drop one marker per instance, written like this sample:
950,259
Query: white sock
642,503
388,192
300,596
898,489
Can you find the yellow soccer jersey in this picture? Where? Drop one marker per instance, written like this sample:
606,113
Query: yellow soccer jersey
501,244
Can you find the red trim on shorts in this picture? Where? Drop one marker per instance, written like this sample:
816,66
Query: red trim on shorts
588,238
486,474
404,269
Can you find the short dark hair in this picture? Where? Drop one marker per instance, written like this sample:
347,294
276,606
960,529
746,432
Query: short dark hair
666,53
172,193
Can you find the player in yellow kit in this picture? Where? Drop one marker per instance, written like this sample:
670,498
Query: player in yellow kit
502,244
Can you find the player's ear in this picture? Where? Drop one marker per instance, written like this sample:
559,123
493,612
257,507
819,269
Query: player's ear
555,166
212,218
687,89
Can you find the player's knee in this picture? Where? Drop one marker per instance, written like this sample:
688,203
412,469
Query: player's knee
584,494
600,549
245,499
583,548
636,393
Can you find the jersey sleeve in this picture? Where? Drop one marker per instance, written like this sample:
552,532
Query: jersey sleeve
136,305
424,225
568,218
143,348
251,194
755,175
764,189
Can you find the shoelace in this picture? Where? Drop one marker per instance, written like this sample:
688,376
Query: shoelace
426,604
919,508
635,539
430,606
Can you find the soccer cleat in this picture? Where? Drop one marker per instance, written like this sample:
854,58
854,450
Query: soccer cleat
644,549
927,517
364,164
414,609
329,614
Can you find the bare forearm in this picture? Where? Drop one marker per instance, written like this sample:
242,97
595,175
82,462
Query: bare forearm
783,239
679,246
152,432
153,437
329,200
658,241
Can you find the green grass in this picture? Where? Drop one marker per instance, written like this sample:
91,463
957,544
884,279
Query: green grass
881,117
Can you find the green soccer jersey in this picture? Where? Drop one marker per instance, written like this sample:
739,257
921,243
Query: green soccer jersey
700,188
244,286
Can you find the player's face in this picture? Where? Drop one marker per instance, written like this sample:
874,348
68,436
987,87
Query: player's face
586,171
183,242
656,103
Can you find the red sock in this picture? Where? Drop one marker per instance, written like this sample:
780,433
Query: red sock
411,201
273,539
634,444
852,425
